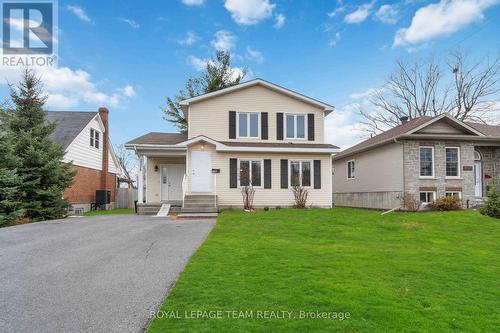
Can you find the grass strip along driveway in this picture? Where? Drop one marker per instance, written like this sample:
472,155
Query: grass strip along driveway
399,272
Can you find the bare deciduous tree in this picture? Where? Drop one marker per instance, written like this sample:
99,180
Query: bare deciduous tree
126,159
423,89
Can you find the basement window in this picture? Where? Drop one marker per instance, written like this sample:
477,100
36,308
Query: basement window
427,197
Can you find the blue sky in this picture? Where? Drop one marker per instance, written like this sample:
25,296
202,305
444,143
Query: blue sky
130,55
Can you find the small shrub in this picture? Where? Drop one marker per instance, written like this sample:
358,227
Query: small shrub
278,207
248,193
410,202
446,203
300,195
266,208
492,205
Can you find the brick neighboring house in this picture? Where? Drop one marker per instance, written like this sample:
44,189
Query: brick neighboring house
85,138
428,157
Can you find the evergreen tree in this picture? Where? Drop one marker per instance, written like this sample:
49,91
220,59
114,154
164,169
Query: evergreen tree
11,207
44,176
218,75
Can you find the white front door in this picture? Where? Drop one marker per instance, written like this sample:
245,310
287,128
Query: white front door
171,182
201,171
478,179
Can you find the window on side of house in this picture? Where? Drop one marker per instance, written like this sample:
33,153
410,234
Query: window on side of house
453,194
427,197
351,168
452,162
427,162
248,124
251,173
94,138
300,173
295,126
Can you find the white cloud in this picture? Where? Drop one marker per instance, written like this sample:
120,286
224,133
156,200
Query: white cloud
441,19
248,12
224,40
360,14
190,39
337,11
254,55
128,90
387,14
193,2
342,127
279,21
197,63
79,12
131,23
367,93
333,42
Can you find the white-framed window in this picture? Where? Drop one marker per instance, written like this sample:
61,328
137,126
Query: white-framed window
94,138
248,124
427,197
300,173
452,162
426,161
453,194
251,172
351,169
295,126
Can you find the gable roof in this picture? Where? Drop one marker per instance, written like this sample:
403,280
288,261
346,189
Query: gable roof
326,107
414,125
69,125
157,138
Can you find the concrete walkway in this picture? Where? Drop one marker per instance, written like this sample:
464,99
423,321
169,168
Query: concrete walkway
91,274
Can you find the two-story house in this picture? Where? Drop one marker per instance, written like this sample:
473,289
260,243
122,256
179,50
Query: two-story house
254,133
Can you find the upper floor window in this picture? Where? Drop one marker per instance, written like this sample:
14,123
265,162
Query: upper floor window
251,173
427,162
94,138
248,124
452,162
295,126
350,169
300,173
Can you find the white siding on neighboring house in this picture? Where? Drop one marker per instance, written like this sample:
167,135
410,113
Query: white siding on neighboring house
112,167
81,153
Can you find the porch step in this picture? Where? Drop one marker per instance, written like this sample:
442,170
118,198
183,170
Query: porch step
153,209
199,210
196,215
200,204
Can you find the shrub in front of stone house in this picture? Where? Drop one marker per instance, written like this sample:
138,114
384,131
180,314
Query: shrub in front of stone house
409,202
446,203
492,205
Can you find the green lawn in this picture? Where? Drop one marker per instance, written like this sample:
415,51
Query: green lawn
402,272
110,212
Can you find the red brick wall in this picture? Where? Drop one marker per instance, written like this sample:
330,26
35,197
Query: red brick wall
85,183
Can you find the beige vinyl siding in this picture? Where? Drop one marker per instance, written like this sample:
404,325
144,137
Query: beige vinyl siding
231,197
153,179
211,117
377,170
81,153
440,127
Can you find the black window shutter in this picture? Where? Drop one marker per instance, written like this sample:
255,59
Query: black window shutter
284,173
263,126
317,174
267,173
233,173
232,124
279,126
310,126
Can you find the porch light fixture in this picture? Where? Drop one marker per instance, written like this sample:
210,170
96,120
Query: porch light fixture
202,146
156,168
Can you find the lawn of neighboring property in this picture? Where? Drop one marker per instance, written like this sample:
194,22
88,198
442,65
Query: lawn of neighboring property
110,212
402,272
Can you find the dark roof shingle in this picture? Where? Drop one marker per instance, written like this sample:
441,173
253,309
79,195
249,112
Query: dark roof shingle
69,125
156,138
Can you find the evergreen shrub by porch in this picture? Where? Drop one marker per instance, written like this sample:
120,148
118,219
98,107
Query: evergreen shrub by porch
446,203
492,205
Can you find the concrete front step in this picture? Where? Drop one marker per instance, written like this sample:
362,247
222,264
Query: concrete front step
196,205
196,215
199,210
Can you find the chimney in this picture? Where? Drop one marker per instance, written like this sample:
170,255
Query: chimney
404,119
104,113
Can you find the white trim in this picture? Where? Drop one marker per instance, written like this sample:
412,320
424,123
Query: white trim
447,116
295,115
427,197
458,161
327,108
238,136
250,160
433,163
311,165
348,169
277,149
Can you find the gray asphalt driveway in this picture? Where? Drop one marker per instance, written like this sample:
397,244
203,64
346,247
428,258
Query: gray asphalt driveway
91,274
